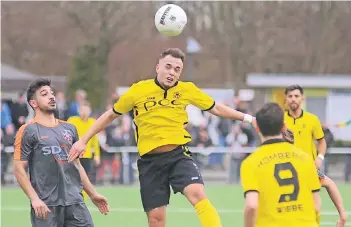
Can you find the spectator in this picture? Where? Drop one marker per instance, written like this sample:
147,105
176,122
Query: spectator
238,138
329,139
202,141
19,111
73,109
6,118
107,159
111,136
7,140
61,105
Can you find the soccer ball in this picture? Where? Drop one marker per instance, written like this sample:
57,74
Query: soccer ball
170,20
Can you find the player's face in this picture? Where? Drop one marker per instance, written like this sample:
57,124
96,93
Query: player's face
84,111
168,71
294,99
44,100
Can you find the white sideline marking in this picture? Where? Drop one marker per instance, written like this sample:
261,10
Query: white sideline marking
171,210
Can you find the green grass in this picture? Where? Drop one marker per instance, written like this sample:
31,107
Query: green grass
127,210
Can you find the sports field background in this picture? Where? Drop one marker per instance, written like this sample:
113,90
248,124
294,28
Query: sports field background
126,209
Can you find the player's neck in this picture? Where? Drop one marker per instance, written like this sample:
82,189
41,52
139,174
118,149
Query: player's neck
47,119
295,114
265,138
84,118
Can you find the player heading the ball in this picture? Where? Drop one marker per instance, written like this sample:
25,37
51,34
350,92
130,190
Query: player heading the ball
159,117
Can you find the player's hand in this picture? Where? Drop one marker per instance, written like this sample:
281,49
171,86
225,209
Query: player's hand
40,208
342,221
77,150
100,202
97,161
318,163
288,135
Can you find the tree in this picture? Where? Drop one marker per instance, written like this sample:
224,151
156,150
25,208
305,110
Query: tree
104,24
86,75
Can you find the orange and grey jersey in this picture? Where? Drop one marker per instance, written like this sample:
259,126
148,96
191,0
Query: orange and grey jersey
46,149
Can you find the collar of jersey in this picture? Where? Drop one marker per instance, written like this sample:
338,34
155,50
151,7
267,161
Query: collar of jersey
297,117
158,84
271,141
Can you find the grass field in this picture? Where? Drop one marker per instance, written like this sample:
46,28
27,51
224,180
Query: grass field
126,209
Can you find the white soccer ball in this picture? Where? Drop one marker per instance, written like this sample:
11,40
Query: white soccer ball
170,20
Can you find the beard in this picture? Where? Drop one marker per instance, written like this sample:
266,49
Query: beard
48,110
294,106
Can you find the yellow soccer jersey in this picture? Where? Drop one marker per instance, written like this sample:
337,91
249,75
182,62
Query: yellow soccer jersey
159,114
285,179
306,128
82,127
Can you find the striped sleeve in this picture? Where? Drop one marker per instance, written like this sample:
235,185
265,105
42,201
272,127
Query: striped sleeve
23,144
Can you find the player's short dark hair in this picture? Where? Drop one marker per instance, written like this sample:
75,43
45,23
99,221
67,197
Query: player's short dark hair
174,52
270,119
293,88
35,85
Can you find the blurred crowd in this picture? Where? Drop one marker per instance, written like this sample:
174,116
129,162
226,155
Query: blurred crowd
206,130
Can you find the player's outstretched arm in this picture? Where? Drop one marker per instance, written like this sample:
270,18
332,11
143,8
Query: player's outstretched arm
79,147
322,149
224,111
335,196
38,205
99,200
251,206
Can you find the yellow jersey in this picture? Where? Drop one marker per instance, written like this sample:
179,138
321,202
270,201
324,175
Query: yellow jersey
159,114
82,127
306,128
285,178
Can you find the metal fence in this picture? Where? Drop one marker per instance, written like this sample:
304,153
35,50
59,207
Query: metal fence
338,162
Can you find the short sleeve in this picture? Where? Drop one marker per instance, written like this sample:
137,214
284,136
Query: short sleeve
125,103
312,175
24,144
317,130
200,99
249,179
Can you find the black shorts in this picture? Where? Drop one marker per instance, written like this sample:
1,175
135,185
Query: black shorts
157,172
76,215
87,164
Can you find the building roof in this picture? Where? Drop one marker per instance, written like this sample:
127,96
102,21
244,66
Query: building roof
15,80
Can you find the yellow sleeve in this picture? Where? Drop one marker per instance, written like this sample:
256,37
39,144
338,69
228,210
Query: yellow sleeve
313,179
317,130
96,146
126,102
200,99
248,177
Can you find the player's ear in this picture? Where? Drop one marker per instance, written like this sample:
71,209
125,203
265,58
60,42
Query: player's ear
257,129
33,103
157,68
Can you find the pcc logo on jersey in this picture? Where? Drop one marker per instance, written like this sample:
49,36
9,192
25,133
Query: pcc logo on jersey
152,102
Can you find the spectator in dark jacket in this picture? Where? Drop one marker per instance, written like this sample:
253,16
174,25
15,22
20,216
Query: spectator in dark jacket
19,111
